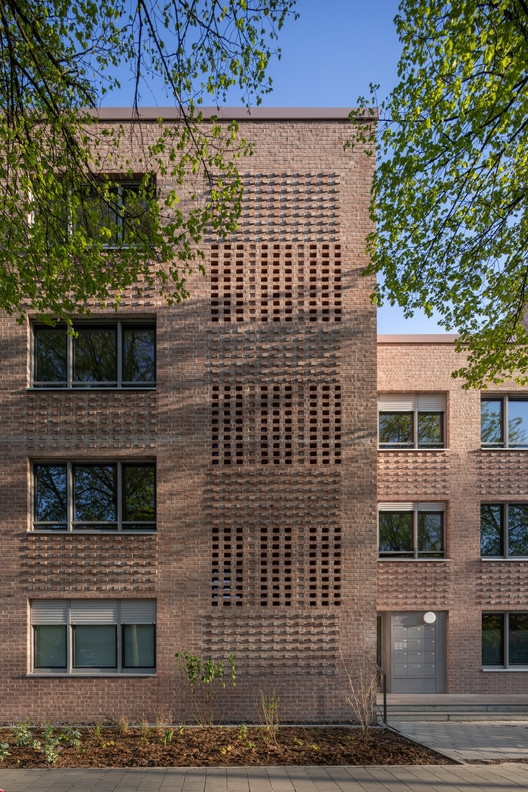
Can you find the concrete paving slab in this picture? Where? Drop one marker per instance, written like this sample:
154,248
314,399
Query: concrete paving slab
417,778
481,741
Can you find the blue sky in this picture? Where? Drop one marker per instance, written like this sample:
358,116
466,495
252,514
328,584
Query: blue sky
329,57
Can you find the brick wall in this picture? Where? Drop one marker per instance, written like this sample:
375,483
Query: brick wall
263,429
461,475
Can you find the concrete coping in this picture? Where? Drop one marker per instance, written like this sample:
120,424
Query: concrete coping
430,338
234,113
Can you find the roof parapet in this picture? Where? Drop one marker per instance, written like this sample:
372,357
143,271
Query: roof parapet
234,113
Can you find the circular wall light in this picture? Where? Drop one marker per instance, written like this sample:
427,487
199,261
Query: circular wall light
429,617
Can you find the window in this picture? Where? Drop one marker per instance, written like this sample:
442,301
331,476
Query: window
411,421
94,636
113,355
411,530
113,211
504,422
504,639
94,496
504,529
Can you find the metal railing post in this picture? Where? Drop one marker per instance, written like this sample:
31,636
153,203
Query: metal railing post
384,698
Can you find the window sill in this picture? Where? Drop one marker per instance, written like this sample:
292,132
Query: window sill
509,669
391,560
110,389
507,450
415,448
87,675
43,532
508,559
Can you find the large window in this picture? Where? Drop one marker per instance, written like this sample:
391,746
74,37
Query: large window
411,421
113,355
94,636
411,530
94,496
114,211
504,639
504,422
504,530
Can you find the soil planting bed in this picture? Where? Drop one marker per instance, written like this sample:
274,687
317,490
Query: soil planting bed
221,746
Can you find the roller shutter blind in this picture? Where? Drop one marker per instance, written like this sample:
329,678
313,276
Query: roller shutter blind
407,402
390,402
94,612
49,612
138,612
431,402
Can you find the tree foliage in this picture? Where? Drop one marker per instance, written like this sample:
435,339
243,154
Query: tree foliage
451,191
78,222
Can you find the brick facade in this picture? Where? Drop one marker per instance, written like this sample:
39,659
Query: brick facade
262,427
263,430
462,475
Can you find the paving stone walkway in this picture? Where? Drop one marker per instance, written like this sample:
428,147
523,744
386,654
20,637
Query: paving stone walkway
481,741
425,778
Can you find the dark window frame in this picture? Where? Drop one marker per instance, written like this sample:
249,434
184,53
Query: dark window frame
69,628
504,530
119,525
414,554
504,400
414,414
114,207
505,649
121,328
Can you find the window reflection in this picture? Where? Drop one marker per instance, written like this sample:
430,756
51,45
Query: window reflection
95,357
120,354
92,496
50,357
492,639
504,422
518,422
491,529
138,355
51,496
396,429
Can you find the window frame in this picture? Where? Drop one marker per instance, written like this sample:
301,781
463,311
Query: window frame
505,400
39,618
504,531
120,326
415,509
120,523
505,642
118,183
413,405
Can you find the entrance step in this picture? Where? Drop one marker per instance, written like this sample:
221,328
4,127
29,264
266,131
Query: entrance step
455,707
394,715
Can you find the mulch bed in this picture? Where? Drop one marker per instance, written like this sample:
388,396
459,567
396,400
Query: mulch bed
226,746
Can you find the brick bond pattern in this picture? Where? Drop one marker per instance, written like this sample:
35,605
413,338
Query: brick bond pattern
461,476
262,426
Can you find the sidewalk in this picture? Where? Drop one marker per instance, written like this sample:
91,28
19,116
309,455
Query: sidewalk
416,778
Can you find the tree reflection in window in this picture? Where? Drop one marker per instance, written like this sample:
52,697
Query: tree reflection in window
93,496
95,357
504,529
505,639
51,508
504,422
139,496
139,359
411,533
120,355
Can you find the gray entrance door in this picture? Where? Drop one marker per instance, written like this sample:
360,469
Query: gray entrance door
417,653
